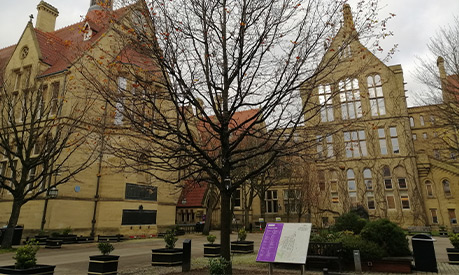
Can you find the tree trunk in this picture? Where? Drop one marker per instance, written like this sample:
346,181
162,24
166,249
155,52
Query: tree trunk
16,210
225,231
212,202
247,207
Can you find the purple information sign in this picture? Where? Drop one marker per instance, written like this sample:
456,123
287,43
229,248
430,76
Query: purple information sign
270,242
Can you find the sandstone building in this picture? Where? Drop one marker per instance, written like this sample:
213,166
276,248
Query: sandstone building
102,199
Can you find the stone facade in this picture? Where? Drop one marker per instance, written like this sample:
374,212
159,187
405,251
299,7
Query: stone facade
102,199
376,152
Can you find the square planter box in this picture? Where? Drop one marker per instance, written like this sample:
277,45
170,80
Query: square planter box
211,250
38,269
167,256
453,255
68,239
243,247
83,239
53,243
103,264
391,266
41,239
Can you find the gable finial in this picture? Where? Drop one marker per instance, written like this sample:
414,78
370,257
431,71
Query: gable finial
31,18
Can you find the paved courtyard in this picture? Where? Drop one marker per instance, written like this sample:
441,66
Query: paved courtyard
136,256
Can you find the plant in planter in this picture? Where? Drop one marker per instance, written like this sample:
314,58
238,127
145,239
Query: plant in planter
55,241
443,231
41,237
26,261
392,239
169,255
453,253
66,237
105,263
241,245
211,249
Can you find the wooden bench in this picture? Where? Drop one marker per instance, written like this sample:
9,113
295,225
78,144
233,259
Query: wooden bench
419,229
110,238
323,254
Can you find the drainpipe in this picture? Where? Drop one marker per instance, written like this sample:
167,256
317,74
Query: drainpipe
99,174
45,208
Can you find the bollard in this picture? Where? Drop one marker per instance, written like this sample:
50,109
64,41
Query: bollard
186,262
357,264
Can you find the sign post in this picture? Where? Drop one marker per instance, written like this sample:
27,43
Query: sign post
285,243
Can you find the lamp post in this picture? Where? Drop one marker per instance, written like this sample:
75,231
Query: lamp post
227,182
51,193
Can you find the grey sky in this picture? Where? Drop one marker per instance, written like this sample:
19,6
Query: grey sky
415,22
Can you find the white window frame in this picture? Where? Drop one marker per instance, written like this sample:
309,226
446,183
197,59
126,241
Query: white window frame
351,106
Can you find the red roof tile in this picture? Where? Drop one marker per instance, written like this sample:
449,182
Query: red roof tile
59,49
5,55
193,193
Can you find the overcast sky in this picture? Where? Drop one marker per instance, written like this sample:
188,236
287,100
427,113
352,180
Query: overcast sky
415,22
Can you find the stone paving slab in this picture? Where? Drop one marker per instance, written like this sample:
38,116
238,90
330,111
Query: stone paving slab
136,255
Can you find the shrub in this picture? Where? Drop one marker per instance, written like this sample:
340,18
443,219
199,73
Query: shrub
218,266
211,238
26,256
388,235
349,222
454,239
368,249
329,237
361,212
105,248
242,235
170,239
66,231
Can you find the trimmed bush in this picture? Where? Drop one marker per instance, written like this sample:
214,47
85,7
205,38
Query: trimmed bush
368,249
388,235
170,239
349,222
26,256
241,235
211,238
454,239
105,248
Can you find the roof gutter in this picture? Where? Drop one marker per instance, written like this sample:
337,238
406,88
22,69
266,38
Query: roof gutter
51,74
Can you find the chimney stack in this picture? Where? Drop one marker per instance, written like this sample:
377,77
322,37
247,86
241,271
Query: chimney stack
46,18
100,5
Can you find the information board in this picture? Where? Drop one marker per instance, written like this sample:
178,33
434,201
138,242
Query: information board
285,243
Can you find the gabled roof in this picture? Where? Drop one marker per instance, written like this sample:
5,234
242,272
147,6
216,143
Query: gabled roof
5,55
61,48
240,120
193,194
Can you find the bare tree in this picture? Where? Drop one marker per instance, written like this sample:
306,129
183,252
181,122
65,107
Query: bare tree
42,140
442,80
210,60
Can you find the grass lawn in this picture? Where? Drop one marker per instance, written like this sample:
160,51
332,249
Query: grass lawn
9,250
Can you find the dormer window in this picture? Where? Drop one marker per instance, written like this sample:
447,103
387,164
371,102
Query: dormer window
87,32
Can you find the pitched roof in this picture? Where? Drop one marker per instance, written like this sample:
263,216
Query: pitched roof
193,194
60,48
5,55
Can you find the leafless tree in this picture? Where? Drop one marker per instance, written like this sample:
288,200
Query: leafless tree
210,60
442,80
42,141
